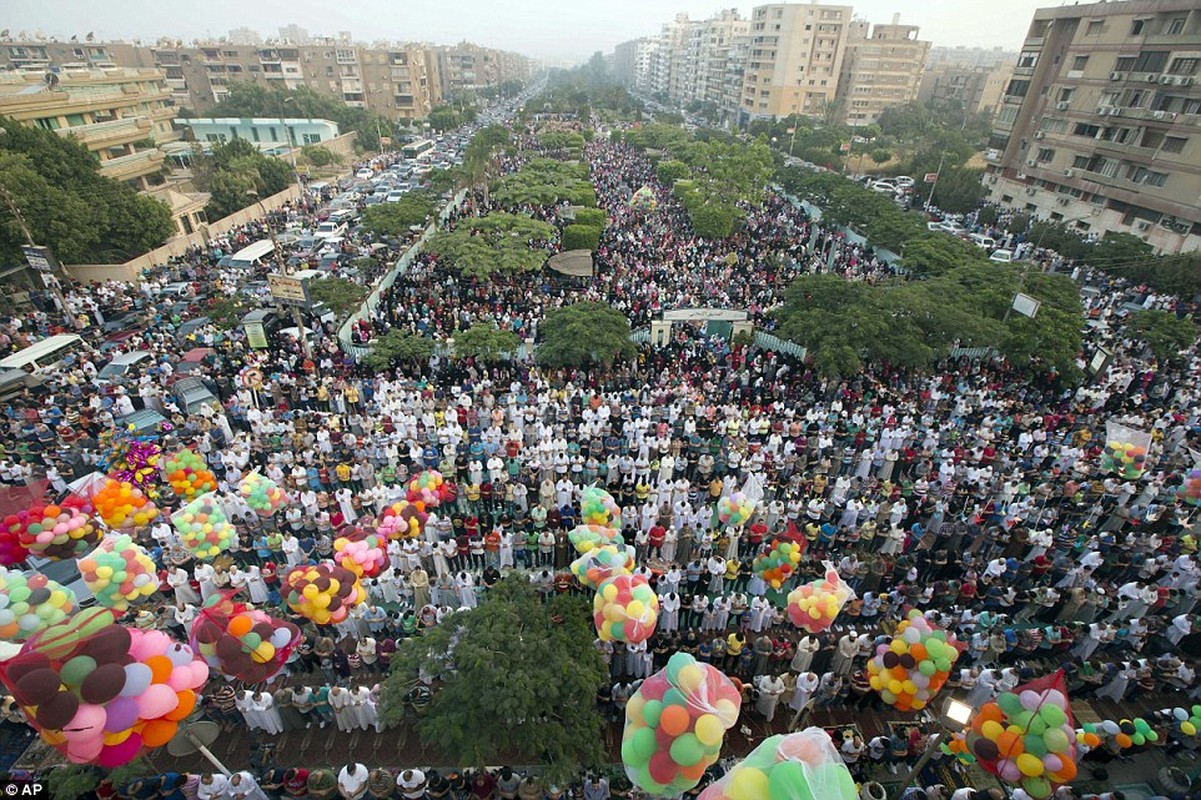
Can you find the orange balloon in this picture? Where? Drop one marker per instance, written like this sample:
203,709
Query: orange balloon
240,625
1066,773
160,668
918,651
158,732
1123,740
1009,744
187,702
695,772
674,720
990,711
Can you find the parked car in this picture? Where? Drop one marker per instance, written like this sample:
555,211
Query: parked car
983,242
1001,256
115,370
952,227
191,394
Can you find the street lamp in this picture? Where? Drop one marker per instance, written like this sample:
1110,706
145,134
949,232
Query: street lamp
953,718
288,135
281,269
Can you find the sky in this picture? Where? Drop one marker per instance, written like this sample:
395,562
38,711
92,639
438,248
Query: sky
556,30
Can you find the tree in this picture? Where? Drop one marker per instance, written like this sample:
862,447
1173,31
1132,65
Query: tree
320,156
937,254
582,334
592,217
498,242
881,155
340,295
443,180
68,205
395,219
545,182
581,237
518,679
396,345
444,118
1164,333
959,190
668,172
238,168
711,221
486,342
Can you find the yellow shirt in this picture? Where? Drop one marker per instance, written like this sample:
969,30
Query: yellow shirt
734,644
343,472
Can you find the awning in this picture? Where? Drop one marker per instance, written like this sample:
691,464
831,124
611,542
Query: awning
576,263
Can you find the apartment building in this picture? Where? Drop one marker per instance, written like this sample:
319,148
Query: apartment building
976,89
882,68
467,67
970,56
37,55
794,61
1100,126
120,115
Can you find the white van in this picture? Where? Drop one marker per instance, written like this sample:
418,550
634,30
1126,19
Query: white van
45,355
330,229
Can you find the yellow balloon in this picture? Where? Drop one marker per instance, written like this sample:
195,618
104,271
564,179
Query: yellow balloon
709,730
747,783
690,678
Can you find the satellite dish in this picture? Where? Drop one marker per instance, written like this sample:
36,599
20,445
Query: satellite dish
195,737
50,79
4,33
91,37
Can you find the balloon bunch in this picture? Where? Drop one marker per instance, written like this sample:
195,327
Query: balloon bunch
914,666
625,609
588,537
188,474
203,528
1190,489
1125,459
123,506
597,507
119,572
322,592
1027,737
776,566
429,490
675,724
100,693
601,563
241,642
31,602
53,531
402,520
798,766
644,199
131,459
262,494
11,550
1126,733
735,509
814,605
1188,721
361,552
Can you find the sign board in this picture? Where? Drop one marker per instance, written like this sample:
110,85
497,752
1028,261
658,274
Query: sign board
40,258
705,314
1026,305
845,147
290,290
930,177
1100,361
660,333
256,337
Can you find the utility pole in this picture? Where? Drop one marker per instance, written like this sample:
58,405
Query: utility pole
937,175
281,269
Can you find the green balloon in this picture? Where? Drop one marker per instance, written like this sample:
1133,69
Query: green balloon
835,775
687,750
1037,725
943,665
651,710
1022,719
618,631
787,779
926,667
1010,703
676,663
1056,740
1052,715
1141,725
648,784
637,748
1038,788
674,697
1034,745
1152,737
19,595
75,670
1138,738
252,640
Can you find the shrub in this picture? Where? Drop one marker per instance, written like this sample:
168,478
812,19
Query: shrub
581,237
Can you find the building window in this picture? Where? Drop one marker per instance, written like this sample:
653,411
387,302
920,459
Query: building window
1084,129
1046,153
1079,62
1124,63
1080,162
1028,58
1065,95
1136,28
1017,88
1184,66
1174,144
1151,61
254,133
1175,26
1152,139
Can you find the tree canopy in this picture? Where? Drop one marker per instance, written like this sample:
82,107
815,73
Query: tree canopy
1164,334
398,346
545,182
486,342
395,219
340,295
517,676
845,202
582,334
68,205
498,242
236,168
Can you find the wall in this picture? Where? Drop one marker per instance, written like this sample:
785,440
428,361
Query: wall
132,270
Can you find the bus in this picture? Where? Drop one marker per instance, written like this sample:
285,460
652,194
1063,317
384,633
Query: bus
416,149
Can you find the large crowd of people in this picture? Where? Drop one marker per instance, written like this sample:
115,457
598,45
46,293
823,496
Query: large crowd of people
974,493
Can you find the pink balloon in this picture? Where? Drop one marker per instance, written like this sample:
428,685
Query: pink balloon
84,752
145,644
181,678
156,701
1008,770
88,723
114,755
1052,762
200,674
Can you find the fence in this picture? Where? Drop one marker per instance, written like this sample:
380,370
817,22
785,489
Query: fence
402,264
767,341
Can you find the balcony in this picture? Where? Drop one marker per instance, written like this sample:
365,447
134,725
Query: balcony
134,165
115,132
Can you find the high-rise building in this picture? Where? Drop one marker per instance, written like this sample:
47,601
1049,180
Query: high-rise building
293,34
1098,128
970,56
795,59
975,89
244,36
882,68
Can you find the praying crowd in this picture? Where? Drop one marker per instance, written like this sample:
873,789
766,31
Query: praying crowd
975,494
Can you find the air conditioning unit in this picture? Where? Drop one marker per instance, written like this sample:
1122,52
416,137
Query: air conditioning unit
992,180
1152,77
1143,226
1165,79
1157,114
1040,134
1032,162
1169,115
1117,76
1062,105
1068,173
1103,111
1063,201
1183,80
1030,190
1115,112
1021,176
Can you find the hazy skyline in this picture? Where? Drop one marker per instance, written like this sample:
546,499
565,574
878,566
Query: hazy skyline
539,28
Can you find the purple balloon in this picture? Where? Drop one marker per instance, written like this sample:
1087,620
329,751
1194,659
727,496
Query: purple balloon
120,713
